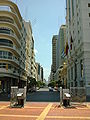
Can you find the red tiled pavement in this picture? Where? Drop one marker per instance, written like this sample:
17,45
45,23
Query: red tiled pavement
69,112
33,110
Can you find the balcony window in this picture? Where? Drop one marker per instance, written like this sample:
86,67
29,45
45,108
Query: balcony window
5,30
5,54
6,19
6,42
5,8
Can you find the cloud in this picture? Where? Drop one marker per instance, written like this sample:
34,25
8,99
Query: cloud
36,52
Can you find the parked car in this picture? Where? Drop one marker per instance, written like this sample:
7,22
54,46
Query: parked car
50,89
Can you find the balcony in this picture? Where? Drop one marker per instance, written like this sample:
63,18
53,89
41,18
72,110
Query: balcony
5,8
12,27
10,47
10,34
9,72
9,58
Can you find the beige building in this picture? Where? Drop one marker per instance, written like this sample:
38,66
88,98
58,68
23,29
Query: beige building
12,46
28,49
33,62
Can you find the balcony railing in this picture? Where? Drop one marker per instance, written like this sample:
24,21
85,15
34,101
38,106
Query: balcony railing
10,46
11,34
9,71
13,58
6,44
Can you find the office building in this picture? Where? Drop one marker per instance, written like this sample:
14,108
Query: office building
78,36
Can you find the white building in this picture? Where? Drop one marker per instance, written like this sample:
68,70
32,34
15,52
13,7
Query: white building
78,36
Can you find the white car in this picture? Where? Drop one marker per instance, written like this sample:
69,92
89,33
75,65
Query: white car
50,89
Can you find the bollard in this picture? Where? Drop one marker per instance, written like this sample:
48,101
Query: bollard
61,95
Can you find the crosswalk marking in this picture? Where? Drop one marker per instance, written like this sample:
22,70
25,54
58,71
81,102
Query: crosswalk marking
45,112
3,107
69,117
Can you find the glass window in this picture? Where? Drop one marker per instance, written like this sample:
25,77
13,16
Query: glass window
71,73
4,54
0,53
88,4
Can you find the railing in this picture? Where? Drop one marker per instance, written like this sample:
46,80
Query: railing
11,34
9,57
6,44
6,19
10,71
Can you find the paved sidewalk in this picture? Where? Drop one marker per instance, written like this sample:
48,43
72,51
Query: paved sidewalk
45,111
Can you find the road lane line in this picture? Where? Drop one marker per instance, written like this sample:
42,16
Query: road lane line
68,117
88,106
45,112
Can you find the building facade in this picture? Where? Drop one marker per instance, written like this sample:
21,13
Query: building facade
78,36
33,62
60,55
12,46
53,66
40,73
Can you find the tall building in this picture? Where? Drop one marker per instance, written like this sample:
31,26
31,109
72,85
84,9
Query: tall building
60,52
40,73
53,66
33,63
12,46
62,40
78,36
54,40
28,49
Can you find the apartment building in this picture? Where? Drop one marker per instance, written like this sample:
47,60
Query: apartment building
33,62
28,49
12,46
78,36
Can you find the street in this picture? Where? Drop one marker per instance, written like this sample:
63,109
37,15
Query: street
44,95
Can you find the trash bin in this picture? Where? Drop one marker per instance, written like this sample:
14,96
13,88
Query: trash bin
20,99
66,99
18,96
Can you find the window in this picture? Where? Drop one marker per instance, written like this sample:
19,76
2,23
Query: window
81,64
75,70
6,42
5,8
72,8
71,73
89,14
88,4
5,30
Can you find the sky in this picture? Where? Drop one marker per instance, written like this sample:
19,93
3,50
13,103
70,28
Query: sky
46,17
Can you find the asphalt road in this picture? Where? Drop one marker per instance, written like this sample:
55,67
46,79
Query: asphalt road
43,95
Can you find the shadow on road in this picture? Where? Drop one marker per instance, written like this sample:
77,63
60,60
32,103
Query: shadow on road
39,96
43,96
